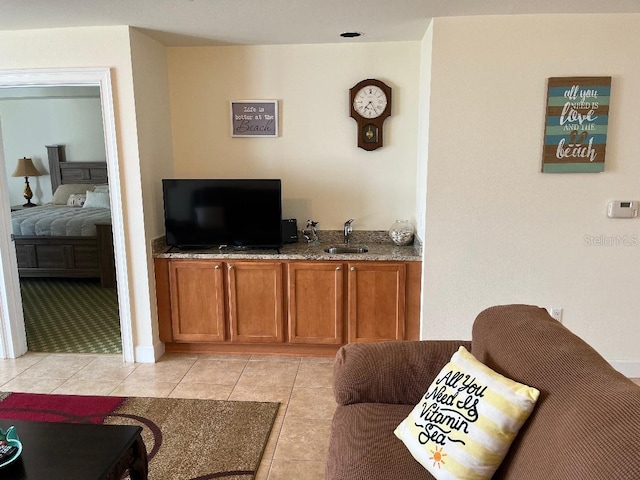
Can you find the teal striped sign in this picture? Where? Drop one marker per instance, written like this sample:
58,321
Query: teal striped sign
576,124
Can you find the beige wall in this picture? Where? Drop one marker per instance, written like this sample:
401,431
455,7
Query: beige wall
325,175
497,230
151,90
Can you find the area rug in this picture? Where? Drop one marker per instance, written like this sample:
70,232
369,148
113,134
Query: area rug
70,315
185,439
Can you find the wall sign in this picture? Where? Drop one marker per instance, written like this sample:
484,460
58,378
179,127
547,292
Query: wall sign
575,136
254,118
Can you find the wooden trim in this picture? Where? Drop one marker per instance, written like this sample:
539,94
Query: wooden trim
163,298
56,155
57,256
104,237
414,301
257,348
63,172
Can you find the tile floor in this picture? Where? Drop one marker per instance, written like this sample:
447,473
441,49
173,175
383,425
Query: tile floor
298,443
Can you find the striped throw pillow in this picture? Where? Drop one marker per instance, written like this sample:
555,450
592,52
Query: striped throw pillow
463,426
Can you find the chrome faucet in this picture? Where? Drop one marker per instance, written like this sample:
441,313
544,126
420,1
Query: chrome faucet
347,230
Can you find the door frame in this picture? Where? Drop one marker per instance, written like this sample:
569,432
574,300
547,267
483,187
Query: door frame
13,340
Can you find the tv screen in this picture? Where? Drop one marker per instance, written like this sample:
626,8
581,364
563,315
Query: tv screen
223,212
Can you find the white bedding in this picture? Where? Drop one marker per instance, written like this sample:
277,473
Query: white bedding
58,221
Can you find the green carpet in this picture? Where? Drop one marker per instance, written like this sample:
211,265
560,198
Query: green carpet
70,316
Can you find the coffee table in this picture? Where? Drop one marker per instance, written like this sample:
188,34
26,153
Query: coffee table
71,451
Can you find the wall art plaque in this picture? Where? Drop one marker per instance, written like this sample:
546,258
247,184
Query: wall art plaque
576,121
254,118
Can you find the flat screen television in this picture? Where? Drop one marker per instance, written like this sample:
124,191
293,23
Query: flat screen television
206,213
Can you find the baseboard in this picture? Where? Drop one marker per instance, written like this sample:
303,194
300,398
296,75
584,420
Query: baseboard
628,369
149,354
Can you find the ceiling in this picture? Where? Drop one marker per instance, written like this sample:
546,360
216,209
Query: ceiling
272,22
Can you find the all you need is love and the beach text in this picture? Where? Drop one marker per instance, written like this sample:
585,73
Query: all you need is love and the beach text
576,123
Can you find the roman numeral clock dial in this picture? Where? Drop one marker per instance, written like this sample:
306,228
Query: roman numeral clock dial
370,106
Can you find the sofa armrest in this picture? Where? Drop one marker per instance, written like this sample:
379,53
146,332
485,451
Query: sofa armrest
389,372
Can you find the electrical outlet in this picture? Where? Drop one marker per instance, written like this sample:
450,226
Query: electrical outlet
556,313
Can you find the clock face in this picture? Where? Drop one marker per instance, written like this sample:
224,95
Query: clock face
370,101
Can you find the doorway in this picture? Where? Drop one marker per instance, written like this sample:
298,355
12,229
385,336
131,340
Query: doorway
12,331
62,314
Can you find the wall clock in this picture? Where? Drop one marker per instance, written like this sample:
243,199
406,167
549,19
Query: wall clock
370,106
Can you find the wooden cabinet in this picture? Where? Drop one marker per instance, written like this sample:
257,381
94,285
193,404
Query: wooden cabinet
248,310
196,298
298,307
315,302
255,302
376,308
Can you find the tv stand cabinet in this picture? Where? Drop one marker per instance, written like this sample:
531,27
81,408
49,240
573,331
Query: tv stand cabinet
297,307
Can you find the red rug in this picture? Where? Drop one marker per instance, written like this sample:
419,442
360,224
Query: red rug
58,408
214,439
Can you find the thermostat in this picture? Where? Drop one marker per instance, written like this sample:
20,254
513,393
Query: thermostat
622,209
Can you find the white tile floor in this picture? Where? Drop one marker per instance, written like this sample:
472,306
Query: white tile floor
298,443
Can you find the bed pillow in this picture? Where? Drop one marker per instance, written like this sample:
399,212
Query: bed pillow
77,199
463,426
61,195
97,200
104,188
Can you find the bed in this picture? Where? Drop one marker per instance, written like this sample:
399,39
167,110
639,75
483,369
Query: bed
52,242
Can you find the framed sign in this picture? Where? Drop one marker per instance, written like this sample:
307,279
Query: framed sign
575,135
254,118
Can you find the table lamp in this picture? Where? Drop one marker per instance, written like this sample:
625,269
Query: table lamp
26,169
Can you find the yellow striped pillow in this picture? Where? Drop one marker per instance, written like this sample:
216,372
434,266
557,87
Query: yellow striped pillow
463,426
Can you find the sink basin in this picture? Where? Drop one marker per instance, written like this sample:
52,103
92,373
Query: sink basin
346,249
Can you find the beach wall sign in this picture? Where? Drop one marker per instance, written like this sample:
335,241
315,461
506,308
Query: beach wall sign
576,121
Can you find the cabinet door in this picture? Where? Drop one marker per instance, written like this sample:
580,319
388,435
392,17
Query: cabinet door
315,302
197,303
376,308
255,302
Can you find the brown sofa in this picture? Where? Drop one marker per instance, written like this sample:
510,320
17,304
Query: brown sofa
586,424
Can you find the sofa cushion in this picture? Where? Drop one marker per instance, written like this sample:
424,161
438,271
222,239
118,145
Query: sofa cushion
464,424
389,372
362,445
586,424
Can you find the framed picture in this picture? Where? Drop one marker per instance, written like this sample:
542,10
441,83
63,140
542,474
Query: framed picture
254,118
576,123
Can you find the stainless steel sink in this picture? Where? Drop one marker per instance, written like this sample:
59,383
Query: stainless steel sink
346,249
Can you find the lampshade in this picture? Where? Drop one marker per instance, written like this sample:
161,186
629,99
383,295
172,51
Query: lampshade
25,168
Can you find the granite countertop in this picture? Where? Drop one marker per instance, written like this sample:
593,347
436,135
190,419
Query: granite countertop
380,246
